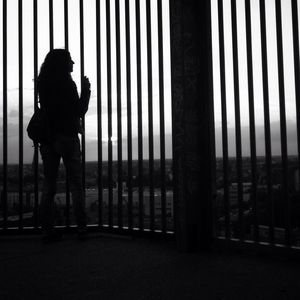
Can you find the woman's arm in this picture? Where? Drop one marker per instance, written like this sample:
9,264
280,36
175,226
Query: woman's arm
82,103
85,95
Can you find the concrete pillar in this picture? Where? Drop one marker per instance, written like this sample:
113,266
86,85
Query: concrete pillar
193,129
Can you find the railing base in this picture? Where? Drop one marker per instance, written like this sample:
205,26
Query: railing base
262,249
103,229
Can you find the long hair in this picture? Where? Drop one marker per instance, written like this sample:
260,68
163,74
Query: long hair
55,67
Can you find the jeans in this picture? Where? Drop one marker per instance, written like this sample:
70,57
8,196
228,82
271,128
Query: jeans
67,148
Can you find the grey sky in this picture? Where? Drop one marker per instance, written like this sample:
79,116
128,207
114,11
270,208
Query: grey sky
90,70
257,74
90,67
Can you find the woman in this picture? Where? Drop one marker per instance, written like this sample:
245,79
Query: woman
63,109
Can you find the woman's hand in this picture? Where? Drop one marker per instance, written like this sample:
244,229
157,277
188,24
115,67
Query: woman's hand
86,83
85,95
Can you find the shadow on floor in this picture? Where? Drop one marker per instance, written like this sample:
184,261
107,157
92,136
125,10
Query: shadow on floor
106,267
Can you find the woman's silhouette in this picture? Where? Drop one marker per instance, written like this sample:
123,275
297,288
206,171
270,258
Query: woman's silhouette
63,109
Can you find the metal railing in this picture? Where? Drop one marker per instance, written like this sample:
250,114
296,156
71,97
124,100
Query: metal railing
258,191
129,186
132,190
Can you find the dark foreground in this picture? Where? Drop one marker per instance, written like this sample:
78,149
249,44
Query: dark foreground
106,267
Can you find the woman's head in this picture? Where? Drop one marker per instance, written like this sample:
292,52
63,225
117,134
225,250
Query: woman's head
57,64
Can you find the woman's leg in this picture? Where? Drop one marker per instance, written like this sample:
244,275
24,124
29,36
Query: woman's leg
51,161
72,161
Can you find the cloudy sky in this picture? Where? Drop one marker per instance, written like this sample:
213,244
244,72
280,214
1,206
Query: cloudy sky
257,75
90,70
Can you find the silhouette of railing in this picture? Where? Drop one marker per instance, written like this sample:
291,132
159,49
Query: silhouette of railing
258,194
131,191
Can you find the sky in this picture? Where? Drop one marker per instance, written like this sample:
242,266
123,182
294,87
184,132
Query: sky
257,76
90,71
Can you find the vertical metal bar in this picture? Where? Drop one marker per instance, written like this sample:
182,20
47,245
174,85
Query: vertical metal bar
51,24
36,148
140,117
210,153
4,34
99,114
296,71
224,120
68,200
174,166
237,120
21,167
129,118
252,119
285,194
66,22
119,115
109,116
150,116
81,76
162,117
268,150
66,27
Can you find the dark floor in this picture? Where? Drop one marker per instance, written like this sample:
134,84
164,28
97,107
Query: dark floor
106,267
